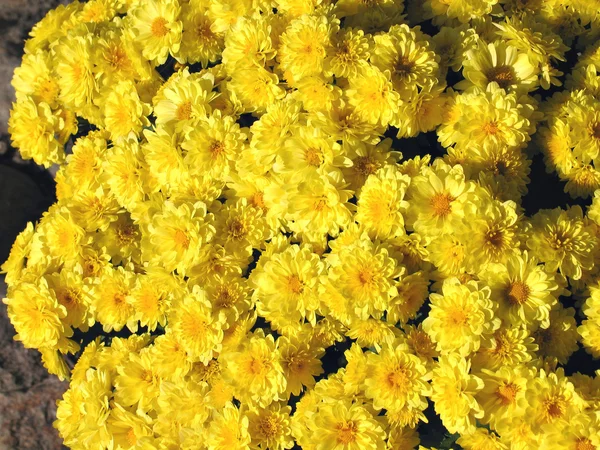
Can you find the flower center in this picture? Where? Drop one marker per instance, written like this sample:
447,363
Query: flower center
491,128
216,148
404,66
346,432
397,378
458,316
554,407
181,240
365,165
503,75
184,111
313,157
131,437
159,27
269,427
295,285
494,238
507,393
517,293
237,228
366,276
595,130
441,204
584,444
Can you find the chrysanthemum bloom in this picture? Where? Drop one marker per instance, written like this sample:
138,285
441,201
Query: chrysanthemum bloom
559,340
155,26
506,347
381,203
406,55
562,240
124,112
364,276
32,127
248,43
524,290
499,63
503,394
270,427
286,287
36,315
349,53
460,317
109,300
35,79
128,427
301,362
494,235
454,390
175,235
346,426
138,382
552,400
228,429
213,146
255,371
198,42
396,378
71,292
304,45
372,94
439,195
184,100
194,326
494,119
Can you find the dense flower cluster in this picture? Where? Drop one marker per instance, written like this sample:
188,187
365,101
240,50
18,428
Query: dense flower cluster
234,208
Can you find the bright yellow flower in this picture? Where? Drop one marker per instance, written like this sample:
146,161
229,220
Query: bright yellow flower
36,315
198,331
381,203
155,26
460,317
454,390
256,372
345,426
396,378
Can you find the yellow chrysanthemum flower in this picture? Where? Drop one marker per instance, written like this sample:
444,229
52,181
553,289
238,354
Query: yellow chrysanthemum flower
552,401
155,26
33,127
124,112
381,203
454,390
305,44
439,194
36,315
371,93
176,234
498,63
256,372
406,55
562,240
364,275
460,317
270,427
228,429
199,332
347,426
525,292
396,378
